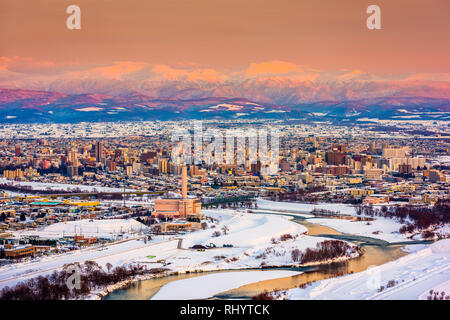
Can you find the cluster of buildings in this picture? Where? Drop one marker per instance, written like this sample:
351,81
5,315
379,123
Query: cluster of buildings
355,164
310,157
18,248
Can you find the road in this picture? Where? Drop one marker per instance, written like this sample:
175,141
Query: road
11,274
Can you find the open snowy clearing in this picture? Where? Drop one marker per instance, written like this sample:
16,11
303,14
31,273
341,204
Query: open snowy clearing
182,289
339,208
380,228
62,186
117,254
90,228
305,208
251,235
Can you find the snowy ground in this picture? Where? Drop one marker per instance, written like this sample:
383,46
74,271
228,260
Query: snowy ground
61,186
380,228
88,228
250,234
116,254
182,289
339,208
300,215
412,277
129,203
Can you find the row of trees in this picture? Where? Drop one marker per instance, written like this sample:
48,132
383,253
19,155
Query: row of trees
233,204
416,218
55,286
311,195
3,217
326,250
30,190
296,195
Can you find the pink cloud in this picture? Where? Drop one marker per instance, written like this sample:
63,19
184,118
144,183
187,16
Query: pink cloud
201,74
272,67
26,65
115,71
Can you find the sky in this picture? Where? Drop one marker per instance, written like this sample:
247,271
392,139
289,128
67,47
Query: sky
226,35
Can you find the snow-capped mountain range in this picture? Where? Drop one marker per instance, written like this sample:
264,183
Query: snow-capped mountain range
127,91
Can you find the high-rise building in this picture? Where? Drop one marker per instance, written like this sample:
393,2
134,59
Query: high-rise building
284,165
137,167
437,176
335,158
162,164
415,163
72,171
395,152
336,170
405,168
146,156
341,147
184,189
193,170
256,167
72,157
18,152
112,166
128,170
46,164
372,147
99,151
12,174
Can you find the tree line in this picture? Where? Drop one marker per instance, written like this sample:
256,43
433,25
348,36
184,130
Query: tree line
414,218
326,250
54,286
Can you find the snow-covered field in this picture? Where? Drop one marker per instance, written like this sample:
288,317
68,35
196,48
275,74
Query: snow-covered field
88,228
129,203
305,208
117,254
339,208
250,234
61,186
411,277
380,228
256,242
245,229
182,289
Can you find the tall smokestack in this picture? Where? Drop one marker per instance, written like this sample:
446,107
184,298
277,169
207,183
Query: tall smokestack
184,181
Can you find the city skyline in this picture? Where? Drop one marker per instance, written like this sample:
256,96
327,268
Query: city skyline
224,150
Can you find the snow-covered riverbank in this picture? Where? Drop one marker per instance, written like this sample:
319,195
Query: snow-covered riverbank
378,227
182,289
410,277
258,241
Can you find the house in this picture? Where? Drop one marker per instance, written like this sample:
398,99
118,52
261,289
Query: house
85,241
18,251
